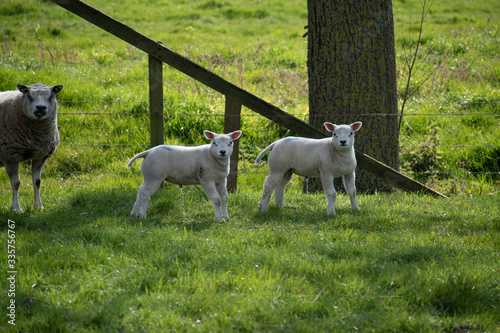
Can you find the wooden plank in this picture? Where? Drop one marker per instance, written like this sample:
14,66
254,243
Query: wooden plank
232,121
392,176
226,88
156,122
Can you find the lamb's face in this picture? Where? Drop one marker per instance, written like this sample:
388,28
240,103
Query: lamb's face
222,144
222,147
39,101
343,135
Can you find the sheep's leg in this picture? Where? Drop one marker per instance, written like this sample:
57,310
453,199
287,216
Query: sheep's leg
269,185
146,190
221,189
36,176
215,199
13,173
350,187
279,191
331,194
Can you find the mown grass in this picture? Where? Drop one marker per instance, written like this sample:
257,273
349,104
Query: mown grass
403,263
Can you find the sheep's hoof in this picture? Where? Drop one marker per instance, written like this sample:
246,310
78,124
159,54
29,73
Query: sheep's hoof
138,215
262,209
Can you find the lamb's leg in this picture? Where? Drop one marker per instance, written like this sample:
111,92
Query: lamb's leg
350,187
331,194
215,199
36,176
13,173
146,190
269,185
279,191
221,189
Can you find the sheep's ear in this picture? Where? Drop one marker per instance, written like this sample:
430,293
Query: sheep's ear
356,126
22,88
235,135
329,126
209,135
57,89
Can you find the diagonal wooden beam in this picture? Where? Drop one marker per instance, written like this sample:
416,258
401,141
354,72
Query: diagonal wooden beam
188,67
201,74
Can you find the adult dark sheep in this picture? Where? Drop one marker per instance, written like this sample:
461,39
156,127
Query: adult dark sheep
28,131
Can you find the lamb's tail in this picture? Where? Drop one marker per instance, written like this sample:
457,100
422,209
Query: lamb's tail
143,154
259,158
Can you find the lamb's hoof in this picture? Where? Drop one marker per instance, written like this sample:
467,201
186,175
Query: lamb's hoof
262,209
138,215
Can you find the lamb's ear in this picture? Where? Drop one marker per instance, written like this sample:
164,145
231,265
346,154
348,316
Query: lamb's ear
57,89
209,135
22,88
356,126
235,135
329,126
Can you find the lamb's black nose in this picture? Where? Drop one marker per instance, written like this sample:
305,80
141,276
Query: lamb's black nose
222,153
40,110
343,142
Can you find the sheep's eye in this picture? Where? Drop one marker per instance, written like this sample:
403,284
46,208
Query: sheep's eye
351,134
29,97
214,144
230,143
335,135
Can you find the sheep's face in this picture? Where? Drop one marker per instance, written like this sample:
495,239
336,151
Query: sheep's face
222,144
39,101
343,135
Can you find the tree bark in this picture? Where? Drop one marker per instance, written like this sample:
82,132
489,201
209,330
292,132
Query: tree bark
352,77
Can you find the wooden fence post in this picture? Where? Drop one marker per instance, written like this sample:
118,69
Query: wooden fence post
156,129
232,117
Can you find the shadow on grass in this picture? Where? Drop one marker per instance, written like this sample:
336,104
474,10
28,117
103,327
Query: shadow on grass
42,314
191,210
305,215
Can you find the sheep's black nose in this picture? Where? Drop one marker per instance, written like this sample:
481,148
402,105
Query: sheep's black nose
343,142
40,110
222,153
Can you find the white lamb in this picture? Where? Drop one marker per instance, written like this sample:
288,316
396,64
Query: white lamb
207,165
328,158
28,131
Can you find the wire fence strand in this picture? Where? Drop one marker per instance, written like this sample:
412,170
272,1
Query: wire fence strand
247,167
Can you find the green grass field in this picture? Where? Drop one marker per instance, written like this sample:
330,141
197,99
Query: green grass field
404,263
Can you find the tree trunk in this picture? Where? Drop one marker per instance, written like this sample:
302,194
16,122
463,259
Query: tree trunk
352,77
